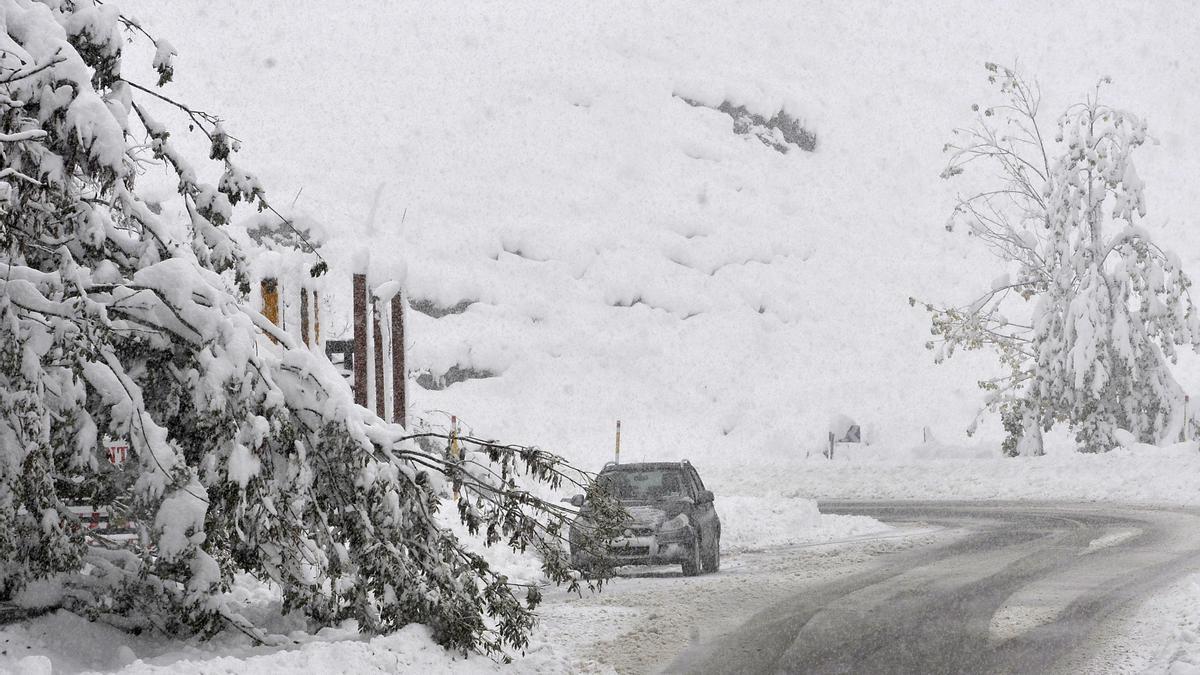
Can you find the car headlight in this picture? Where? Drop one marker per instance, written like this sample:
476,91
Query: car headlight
677,523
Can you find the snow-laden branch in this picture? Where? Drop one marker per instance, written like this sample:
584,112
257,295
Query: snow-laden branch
248,455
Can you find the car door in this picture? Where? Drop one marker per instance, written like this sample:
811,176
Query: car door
706,514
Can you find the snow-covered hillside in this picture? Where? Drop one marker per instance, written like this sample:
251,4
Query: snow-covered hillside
626,254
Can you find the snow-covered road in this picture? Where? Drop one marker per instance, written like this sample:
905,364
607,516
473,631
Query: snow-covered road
1025,588
648,615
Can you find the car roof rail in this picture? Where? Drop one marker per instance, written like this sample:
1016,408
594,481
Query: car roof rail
684,461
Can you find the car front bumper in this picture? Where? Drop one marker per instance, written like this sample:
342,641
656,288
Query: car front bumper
656,549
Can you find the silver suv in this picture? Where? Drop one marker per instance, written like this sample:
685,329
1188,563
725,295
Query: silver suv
671,518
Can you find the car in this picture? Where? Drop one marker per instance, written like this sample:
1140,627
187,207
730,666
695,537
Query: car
672,519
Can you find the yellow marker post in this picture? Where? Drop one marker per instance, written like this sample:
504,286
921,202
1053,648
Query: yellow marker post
1184,435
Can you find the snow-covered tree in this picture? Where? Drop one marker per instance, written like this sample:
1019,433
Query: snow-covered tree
1090,313
248,454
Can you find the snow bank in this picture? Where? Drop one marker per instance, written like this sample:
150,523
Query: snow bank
755,523
411,649
520,568
1145,474
63,643
1181,656
1160,636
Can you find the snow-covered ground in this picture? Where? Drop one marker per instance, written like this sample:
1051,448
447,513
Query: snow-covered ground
65,643
1161,636
1143,474
627,256
1177,618
774,542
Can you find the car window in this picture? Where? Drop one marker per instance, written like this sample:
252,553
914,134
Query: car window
699,484
646,484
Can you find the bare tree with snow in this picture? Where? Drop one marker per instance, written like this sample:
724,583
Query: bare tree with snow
1090,314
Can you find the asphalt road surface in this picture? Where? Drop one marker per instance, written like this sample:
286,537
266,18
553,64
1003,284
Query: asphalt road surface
1023,589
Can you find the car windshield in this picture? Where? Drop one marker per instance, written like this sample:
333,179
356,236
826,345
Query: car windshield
645,484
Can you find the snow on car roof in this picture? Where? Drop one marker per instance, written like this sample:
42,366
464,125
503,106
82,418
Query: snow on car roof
643,465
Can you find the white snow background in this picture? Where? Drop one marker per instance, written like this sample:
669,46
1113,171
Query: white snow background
534,159
629,257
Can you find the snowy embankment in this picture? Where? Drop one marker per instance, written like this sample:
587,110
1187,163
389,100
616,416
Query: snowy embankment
1143,474
1181,620
1178,618
63,643
1161,636
756,523
94,648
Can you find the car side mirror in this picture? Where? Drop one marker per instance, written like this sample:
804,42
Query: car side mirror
705,497
576,501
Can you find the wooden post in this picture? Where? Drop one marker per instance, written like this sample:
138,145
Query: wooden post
377,339
399,372
304,332
316,318
831,443
269,288
360,339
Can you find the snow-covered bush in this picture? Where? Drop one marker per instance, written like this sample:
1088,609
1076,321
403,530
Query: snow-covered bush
1090,313
246,453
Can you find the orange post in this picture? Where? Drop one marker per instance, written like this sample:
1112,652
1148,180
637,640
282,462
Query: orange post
269,288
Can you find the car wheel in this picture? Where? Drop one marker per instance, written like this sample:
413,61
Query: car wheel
691,565
712,557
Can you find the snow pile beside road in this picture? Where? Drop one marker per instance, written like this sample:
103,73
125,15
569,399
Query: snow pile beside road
1146,474
520,568
410,649
1182,654
1160,636
757,523
62,642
